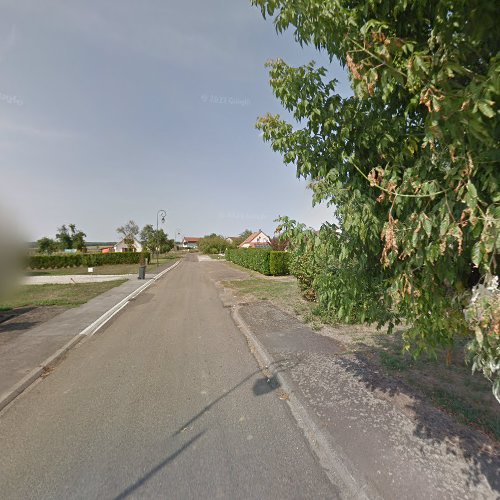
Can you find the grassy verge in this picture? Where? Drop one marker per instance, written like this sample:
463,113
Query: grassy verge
56,295
106,269
450,387
284,293
217,257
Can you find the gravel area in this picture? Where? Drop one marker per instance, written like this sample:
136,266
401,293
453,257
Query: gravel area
75,278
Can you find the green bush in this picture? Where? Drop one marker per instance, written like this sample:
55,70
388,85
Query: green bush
251,258
278,263
262,260
81,259
213,244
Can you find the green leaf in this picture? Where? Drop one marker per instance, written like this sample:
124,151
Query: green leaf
486,109
427,226
476,255
471,196
445,223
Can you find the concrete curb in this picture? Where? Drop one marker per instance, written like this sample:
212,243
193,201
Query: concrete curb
29,379
338,467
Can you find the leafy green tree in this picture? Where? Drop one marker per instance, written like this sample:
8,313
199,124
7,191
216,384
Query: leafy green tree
213,244
245,234
410,162
147,237
78,238
63,237
167,245
155,240
70,237
47,245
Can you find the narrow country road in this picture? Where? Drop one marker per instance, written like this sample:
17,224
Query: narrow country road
165,402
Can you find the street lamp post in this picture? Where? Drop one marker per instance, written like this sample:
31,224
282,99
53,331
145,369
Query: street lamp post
163,215
177,236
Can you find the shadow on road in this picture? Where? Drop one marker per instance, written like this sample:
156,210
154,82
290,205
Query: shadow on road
276,367
261,386
265,385
141,481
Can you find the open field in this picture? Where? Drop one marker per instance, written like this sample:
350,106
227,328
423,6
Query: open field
106,269
56,295
452,388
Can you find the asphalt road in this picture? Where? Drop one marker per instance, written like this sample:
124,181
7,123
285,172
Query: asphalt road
165,402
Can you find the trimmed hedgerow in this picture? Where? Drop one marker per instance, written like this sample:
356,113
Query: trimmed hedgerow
83,259
278,263
251,258
262,260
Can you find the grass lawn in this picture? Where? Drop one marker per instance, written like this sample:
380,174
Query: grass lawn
56,295
106,269
452,388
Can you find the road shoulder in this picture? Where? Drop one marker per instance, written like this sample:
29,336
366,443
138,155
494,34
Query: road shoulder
365,430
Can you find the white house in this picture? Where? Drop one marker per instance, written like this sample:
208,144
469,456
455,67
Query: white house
190,242
121,246
259,239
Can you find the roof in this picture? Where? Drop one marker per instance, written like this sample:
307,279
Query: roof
253,236
127,238
191,239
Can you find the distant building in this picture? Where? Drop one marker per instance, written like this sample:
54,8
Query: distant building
190,242
122,246
259,239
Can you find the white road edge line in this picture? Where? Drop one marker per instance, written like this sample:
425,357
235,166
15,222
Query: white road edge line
106,320
93,327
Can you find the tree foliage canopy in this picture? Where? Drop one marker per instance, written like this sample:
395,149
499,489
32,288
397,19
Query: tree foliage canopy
47,245
70,237
410,162
153,239
213,244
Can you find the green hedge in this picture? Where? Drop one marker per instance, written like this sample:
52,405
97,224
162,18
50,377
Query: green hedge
84,259
262,260
278,263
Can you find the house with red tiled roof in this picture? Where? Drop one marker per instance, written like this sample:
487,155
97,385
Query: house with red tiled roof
190,242
259,239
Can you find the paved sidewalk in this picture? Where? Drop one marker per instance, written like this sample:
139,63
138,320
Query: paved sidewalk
26,350
399,446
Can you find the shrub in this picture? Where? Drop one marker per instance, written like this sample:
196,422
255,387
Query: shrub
278,263
92,260
259,259
213,244
251,258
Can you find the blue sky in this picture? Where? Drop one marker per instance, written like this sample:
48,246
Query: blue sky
112,110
